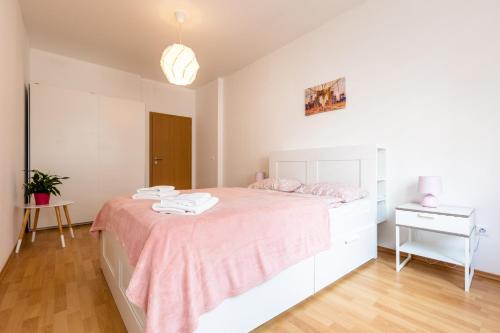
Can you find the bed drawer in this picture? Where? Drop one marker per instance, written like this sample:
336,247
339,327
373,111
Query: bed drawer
118,272
349,250
353,220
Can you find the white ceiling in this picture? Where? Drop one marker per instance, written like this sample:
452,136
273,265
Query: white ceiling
130,35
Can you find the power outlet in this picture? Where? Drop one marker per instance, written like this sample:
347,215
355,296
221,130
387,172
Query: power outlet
482,230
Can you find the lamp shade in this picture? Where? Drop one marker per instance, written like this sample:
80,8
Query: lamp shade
430,185
179,64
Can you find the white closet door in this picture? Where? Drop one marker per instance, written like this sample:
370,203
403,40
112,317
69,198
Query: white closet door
64,141
97,141
122,147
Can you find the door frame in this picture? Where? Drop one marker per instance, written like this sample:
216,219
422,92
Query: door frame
150,143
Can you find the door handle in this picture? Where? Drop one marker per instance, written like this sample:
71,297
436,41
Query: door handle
351,239
156,159
425,216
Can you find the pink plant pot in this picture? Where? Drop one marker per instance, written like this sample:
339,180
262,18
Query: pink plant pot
42,198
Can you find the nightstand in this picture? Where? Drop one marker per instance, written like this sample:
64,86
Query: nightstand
457,221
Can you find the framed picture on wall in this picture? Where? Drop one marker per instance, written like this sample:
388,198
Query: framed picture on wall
325,97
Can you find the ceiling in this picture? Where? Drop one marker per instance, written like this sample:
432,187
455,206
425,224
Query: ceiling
130,35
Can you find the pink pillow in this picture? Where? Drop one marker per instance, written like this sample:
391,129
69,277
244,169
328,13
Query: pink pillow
277,184
343,192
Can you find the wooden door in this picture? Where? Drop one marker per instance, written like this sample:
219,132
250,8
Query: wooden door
170,150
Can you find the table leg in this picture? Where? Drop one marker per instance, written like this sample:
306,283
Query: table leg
35,223
399,264
59,223
23,228
410,237
68,220
467,276
397,249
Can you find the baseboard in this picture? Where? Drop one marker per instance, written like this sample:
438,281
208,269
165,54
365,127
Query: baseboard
2,271
65,225
441,264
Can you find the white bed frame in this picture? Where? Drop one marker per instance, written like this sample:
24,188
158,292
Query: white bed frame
354,242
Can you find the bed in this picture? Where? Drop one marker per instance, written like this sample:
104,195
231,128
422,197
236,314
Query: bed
353,236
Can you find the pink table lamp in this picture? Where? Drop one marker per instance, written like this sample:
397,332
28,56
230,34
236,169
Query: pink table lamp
430,186
259,175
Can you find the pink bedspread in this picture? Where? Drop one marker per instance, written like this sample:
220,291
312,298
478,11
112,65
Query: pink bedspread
187,265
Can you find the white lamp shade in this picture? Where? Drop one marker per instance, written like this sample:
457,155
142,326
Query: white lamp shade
179,64
430,185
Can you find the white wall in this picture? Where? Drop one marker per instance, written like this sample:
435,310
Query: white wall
207,102
13,74
422,79
166,98
69,73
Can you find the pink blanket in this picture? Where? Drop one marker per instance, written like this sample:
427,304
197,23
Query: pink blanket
187,265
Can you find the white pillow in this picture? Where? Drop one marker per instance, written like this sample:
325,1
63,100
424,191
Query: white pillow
344,192
277,184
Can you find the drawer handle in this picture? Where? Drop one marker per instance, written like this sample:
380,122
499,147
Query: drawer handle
352,239
425,216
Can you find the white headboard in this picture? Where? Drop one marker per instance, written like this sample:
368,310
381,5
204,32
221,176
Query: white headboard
350,165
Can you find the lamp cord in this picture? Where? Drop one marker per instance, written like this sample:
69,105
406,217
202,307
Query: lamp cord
180,32
478,236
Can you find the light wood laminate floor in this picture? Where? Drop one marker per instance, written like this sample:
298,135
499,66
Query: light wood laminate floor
49,289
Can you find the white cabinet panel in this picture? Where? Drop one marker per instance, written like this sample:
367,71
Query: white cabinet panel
97,141
122,146
64,140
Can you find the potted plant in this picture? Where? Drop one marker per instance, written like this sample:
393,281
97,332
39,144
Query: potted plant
41,185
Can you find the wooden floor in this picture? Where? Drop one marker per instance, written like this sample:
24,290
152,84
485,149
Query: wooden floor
49,289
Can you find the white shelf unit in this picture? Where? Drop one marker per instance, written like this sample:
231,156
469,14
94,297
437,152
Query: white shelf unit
381,185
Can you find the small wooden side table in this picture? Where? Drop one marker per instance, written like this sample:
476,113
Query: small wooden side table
56,205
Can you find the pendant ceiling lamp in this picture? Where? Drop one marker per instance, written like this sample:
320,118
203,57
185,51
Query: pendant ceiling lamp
178,61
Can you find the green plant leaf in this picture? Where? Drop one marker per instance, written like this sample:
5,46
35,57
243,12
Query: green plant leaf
41,182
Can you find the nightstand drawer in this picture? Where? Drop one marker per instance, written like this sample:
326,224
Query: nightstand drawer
437,222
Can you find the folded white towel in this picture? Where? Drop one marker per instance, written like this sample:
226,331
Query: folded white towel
196,195
189,199
160,188
185,210
146,196
155,195
164,188
144,191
